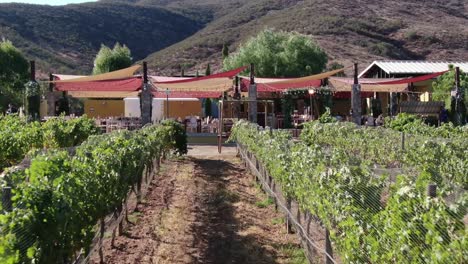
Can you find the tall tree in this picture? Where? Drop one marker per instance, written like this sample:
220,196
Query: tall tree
335,66
225,51
208,70
13,75
442,88
279,54
108,60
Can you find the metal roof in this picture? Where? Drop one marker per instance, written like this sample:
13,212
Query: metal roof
414,67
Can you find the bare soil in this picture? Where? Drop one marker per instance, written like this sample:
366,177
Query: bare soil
204,208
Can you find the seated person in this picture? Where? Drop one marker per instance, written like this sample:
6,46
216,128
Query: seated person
370,121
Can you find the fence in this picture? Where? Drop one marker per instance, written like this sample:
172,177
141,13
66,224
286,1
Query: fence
315,238
354,196
108,125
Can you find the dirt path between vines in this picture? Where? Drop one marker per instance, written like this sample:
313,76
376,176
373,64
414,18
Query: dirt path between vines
205,208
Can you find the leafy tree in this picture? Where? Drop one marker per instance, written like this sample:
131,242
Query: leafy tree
208,70
335,66
108,60
279,54
13,75
225,51
442,88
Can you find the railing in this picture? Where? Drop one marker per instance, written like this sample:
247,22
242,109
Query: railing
108,125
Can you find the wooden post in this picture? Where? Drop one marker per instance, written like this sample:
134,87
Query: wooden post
403,140
6,199
328,247
51,97
146,98
101,237
32,77
220,128
252,73
432,190
252,96
237,89
459,95
288,224
356,98
237,97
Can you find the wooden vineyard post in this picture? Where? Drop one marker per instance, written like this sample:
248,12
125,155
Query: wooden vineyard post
403,140
113,237
288,224
328,247
123,206
6,199
101,237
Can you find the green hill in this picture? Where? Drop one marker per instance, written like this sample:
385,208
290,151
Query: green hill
169,33
66,38
349,31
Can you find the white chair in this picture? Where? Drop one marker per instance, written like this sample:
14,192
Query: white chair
214,126
370,121
192,125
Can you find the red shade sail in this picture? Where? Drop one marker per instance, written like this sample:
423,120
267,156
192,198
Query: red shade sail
415,79
227,74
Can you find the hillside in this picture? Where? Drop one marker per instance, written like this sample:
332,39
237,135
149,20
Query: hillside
66,38
354,30
171,33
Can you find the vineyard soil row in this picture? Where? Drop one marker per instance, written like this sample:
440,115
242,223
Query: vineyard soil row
205,208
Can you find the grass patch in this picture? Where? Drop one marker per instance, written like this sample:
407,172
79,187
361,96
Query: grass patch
226,196
257,186
294,253
108,234
264,203
133,217
278,221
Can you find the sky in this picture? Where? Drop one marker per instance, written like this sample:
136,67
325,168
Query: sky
47,2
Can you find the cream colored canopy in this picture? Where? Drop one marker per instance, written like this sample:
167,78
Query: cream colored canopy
101,94
345,85
115,75
219,82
